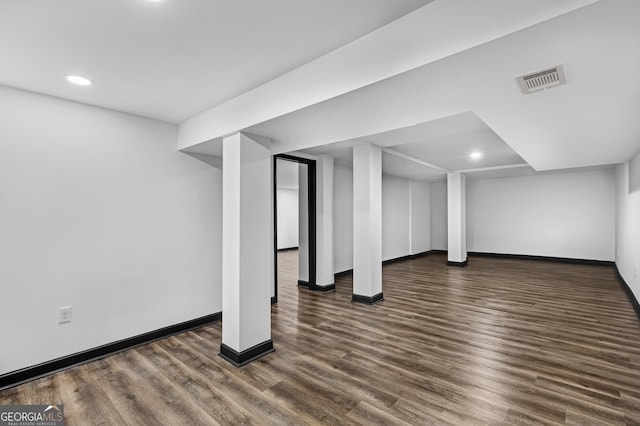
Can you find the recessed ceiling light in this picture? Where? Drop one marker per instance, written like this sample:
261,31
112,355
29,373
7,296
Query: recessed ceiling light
80,81
476,155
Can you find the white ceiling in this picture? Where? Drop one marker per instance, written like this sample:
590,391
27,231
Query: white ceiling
427,151
434,32
172,59
453,152
428,81
588,122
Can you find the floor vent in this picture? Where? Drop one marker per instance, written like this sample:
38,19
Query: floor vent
543,79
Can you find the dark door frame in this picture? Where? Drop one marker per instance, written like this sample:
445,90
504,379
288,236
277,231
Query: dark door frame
311,202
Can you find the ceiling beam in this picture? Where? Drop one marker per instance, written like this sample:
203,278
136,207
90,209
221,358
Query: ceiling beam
431,33
414,159
486,169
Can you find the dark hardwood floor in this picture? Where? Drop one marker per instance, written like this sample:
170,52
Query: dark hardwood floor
502,341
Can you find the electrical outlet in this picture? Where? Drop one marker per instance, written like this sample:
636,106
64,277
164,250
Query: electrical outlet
64,314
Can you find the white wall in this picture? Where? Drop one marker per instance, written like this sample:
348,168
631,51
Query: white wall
396,217
439,220
628,225
420,217
100,212
342,218
287,218
634,174
406,217
569,214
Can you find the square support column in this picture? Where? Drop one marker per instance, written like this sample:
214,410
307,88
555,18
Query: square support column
324,224
367,224
457,221
247,249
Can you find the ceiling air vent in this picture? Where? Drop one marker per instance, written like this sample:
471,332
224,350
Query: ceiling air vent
543,79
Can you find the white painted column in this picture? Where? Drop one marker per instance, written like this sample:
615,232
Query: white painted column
247,248
303,225
324,224
456,213
367,224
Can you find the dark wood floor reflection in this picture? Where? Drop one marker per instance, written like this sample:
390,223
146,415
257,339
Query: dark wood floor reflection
498,342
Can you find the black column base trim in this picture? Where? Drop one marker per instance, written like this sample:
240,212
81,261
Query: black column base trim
274,300
17,377
367,300
303,283
451,263
248,355
323,288
630,295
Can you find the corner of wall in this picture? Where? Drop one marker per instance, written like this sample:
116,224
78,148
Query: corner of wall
627,256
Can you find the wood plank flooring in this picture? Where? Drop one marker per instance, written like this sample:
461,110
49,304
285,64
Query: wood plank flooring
500,342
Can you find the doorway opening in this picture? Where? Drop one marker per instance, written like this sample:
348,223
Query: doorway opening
299,231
